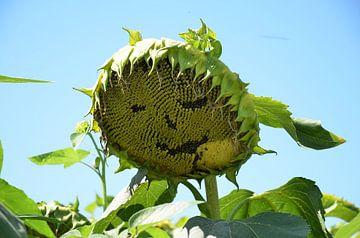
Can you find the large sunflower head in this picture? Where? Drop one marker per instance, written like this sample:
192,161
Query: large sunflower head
175,108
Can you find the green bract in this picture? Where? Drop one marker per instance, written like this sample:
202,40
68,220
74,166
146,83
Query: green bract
177,110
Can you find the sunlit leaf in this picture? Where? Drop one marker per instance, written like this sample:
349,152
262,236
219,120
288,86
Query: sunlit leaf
10,225
86,91
7,79
265,225
134,36
299,196
339,207
76,139
19,203
349,229
158,213
80,232
153,232
275,114
1,157
305,132
311,134
126,204
92,206
67,157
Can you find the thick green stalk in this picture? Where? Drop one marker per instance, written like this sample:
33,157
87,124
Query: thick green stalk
212,197
103,171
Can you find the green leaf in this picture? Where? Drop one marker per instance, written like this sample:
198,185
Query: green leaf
158,213
86,91
92,206
153,232
1,157
80,232
10,225
299,196
123,161
72,234
338,207
67,157
134,36
334,228
349,229
234,199
275,114
126,204
305,132
311,134
19,203
7,79
265,225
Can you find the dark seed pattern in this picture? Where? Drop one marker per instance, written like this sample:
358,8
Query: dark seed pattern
162,119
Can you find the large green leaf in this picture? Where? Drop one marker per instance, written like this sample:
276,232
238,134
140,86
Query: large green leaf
339,207
305,132
299,196
349,229
265,225
275,114
10,225
1,157
19,203
7,79
125,204
67,157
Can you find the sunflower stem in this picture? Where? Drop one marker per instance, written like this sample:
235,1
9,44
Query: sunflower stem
212,197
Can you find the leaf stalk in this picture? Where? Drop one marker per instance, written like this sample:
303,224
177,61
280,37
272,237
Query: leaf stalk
102,173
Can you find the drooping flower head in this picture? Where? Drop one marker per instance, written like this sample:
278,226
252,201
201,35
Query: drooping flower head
174,108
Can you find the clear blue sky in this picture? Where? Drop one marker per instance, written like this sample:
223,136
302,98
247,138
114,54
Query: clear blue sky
304,53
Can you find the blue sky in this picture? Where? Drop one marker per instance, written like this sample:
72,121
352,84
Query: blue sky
304,53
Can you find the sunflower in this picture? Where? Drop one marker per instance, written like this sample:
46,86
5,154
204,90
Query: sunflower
174,108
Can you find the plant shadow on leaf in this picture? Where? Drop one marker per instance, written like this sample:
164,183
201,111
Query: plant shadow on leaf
264,225
145,195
